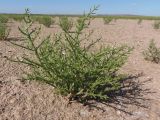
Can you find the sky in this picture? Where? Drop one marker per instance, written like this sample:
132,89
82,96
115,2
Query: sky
136,7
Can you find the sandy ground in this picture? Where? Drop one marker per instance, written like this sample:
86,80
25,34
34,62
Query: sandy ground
35,101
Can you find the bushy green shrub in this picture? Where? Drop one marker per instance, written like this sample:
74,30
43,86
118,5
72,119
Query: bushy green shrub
4,31
74,71
3,19
107,20
153,53
65,23
156,25
45,20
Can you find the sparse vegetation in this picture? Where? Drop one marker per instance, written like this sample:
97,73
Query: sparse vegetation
18,18
80,20
65,23
107,20
156,25
139,21
3,19
4,31
73,70
45,20
153,53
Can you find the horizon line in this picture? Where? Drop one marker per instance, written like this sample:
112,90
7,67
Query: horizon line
78,14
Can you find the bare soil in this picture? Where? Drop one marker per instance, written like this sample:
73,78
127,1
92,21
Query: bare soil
24,100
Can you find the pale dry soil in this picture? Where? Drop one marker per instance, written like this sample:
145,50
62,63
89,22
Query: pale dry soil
24,100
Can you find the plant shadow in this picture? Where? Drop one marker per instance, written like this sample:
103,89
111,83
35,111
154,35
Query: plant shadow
131,93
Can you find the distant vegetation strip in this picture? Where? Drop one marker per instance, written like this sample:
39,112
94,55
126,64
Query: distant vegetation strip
19,16
134,17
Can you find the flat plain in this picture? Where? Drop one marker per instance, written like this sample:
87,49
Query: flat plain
30,100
